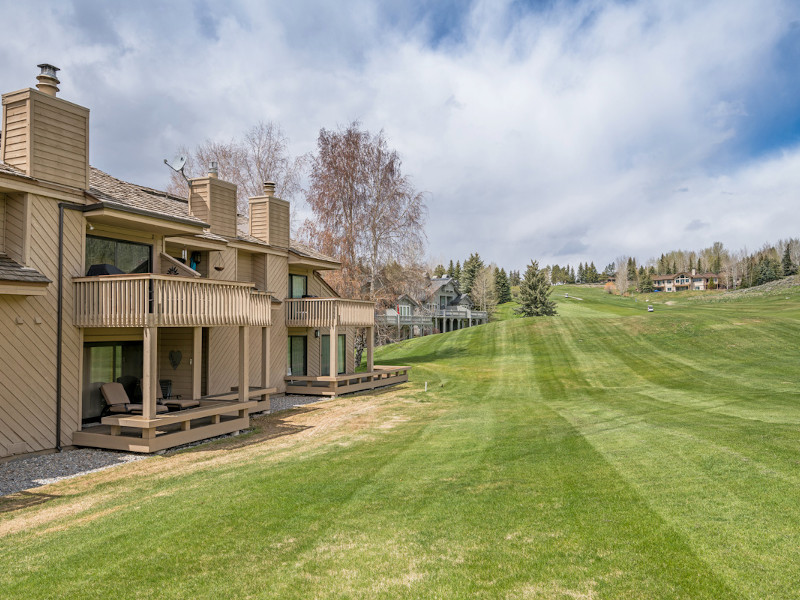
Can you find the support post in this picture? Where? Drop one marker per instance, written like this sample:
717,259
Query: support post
244,363
332,340
197,362
370,349
265,360
149,371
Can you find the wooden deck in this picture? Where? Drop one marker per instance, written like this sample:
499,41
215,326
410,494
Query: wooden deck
135,433
346,384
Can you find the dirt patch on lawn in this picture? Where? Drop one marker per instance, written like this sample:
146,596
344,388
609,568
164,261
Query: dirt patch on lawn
305,429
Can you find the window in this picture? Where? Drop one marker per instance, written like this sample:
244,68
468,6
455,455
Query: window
298,286
105,362
405,310
326,354
128,257
297,355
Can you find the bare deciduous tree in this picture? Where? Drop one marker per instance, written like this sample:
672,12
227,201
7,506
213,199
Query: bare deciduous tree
262,154
622,275
482,293
365,210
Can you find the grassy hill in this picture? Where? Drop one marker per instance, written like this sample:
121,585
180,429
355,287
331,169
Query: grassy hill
607,452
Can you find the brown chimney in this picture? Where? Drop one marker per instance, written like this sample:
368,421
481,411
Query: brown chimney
269,217
44,136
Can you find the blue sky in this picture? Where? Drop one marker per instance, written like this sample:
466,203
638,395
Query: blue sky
557,131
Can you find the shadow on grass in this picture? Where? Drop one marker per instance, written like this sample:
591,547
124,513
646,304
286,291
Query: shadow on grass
20,500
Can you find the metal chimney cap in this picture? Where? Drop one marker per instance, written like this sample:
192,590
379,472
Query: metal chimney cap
213,168
269,188
49,70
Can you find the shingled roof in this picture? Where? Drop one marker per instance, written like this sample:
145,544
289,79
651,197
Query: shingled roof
111,190
10,270
309,252
4,168
243,225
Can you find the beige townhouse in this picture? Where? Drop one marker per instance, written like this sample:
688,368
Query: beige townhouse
135,320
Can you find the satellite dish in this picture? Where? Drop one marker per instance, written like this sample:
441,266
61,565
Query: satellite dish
177,165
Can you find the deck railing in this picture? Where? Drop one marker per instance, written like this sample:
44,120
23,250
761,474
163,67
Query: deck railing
327,312
149,300
392,319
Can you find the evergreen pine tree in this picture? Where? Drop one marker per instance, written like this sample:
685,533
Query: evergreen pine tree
472,267
674,268
691,262
699,265
439,271
789,268
631,270
535,293
451,270
647,282
581,273
593,276
457,272
502,290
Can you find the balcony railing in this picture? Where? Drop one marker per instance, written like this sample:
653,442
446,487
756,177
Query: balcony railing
461,313
327,312
392,319
148,300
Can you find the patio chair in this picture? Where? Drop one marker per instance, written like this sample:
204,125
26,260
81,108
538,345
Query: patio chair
173,402
118,403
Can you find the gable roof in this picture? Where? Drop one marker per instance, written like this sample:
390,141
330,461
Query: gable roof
122,194
438,282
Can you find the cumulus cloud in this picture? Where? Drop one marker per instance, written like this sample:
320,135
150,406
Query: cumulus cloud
575,132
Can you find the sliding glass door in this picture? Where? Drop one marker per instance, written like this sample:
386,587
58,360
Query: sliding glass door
326,354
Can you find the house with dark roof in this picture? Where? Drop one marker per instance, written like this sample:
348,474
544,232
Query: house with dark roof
137,320
450,308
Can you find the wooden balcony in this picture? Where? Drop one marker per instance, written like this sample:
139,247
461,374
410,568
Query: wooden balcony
380,376
147,300
329,312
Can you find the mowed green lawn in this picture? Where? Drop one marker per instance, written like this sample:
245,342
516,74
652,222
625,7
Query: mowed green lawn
603,453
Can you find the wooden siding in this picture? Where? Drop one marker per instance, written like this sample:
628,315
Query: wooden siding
225,259
259,271
279,223
278,276
59,136
176,340
17,220
259,219
278,349
222,204
2,222
223,359
16,134
28,395
198,199
244,268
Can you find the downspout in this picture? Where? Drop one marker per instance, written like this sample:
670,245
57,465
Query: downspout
59,324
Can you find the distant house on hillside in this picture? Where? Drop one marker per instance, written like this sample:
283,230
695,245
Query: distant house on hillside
684,281
440,308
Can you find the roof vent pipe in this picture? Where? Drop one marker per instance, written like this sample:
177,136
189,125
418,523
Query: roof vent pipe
48,80
269,188
213,169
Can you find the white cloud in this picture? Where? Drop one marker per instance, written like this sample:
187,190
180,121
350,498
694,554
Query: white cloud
580,132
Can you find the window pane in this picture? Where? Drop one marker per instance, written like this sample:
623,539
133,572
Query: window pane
325,367
297,355
340,353
133,258
99,251
297,285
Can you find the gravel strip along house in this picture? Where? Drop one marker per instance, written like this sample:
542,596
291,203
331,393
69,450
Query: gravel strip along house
104,281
